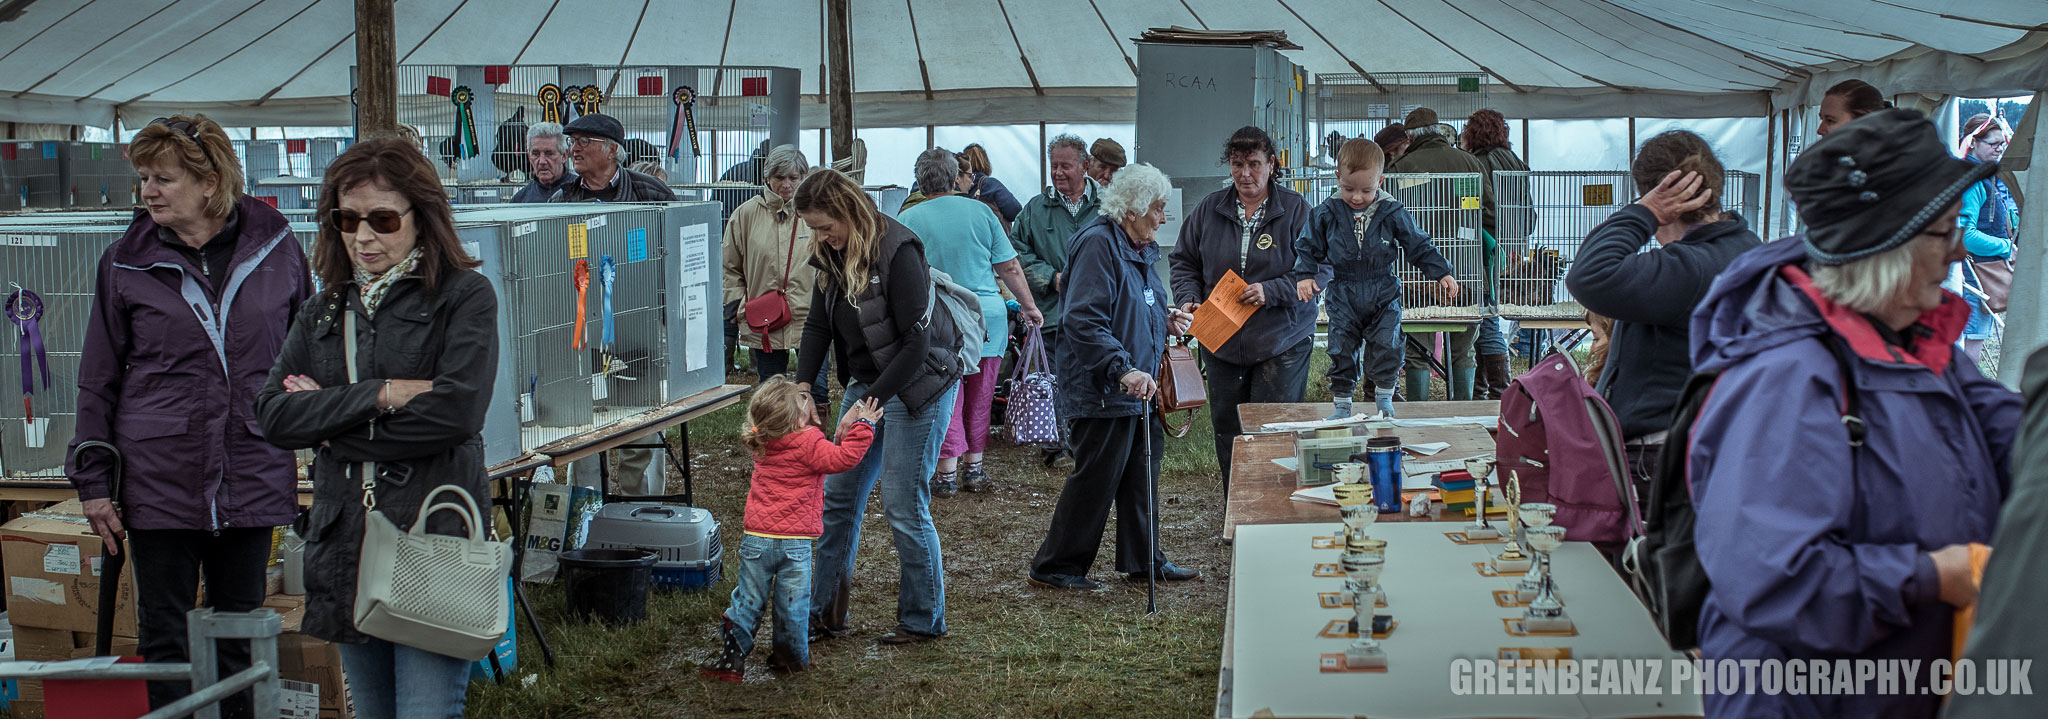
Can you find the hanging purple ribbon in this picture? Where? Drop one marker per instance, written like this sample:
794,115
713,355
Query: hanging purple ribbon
24,308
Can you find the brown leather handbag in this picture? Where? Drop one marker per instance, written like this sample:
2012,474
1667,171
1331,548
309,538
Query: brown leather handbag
1180,386
1994,276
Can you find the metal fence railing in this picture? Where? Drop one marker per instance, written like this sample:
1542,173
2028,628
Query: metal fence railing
1356,105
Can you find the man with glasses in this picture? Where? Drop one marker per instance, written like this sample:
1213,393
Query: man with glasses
596,146
547,150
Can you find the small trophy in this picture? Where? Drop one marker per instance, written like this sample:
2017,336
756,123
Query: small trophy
1535,515
1355,502
1361,546
1364,651
1545,612
1511,559
1480,529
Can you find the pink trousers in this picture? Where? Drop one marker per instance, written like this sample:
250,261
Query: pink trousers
968,433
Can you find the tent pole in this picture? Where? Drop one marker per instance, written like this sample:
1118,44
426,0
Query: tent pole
1044,173
1770,170
2024,328
839,59
1632,149
376,70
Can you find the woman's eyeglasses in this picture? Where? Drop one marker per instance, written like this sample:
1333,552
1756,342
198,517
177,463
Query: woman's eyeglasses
382,221
581,140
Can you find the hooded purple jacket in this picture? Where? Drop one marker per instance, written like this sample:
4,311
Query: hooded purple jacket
1817,550
171,379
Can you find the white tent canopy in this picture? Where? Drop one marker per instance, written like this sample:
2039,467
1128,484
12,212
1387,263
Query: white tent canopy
918,62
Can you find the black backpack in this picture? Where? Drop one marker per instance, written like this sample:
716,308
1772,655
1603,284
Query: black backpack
1664,566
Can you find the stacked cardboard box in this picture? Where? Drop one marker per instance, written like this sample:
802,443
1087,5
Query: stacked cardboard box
52,563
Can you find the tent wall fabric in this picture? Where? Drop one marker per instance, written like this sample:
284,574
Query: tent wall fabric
281,62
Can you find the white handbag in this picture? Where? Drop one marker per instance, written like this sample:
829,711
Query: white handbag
431,592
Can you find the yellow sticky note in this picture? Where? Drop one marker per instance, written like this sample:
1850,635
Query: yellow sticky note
1468,203
579,241
1597,195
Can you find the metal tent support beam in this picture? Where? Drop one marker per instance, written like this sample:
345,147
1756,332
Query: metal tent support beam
2025,324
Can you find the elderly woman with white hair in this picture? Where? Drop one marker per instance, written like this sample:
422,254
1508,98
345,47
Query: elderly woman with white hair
964,239
1117,319
1848,454
768,249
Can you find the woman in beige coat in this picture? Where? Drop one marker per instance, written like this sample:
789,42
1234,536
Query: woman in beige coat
767,248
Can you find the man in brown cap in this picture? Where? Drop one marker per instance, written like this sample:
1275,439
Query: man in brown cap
1105,157
1430,151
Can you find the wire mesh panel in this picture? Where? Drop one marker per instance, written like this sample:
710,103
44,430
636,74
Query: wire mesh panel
1446,206
1742,193
700,123
1355,105
1543,217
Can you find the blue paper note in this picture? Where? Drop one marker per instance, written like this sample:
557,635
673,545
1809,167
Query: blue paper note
636,244
49,151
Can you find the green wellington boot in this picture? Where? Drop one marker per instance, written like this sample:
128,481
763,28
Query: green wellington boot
1416,385
1461,383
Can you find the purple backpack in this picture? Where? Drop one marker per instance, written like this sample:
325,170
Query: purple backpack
1563,442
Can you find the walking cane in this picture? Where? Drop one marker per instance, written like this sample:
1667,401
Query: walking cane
1151,499
111,559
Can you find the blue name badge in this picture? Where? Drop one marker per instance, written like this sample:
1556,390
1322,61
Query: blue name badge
1148,297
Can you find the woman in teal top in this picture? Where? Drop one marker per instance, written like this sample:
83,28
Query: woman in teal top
964,239
1987,220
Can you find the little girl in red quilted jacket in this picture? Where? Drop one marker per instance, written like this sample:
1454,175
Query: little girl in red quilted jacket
785,510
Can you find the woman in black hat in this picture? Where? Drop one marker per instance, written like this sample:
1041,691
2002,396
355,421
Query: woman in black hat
1848,453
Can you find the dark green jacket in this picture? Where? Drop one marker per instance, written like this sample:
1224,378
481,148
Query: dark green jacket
1040,235
1434,154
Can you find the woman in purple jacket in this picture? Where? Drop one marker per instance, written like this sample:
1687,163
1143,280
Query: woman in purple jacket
189,311
1827,537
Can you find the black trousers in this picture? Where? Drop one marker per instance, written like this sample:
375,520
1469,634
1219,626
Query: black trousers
1109,466
169,564
1280,378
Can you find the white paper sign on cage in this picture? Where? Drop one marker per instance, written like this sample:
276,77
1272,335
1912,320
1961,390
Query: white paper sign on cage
36,430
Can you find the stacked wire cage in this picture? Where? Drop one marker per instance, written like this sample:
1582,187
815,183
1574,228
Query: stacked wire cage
1544,216
57,262
1447,207
1352,105
701,124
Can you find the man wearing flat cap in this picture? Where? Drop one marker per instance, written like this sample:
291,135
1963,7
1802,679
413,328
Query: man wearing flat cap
1430,151
1848,455
596,146
1105,157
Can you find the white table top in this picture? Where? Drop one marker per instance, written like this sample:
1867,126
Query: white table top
1445,610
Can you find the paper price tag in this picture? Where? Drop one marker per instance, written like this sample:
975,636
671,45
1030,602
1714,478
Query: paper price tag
600,388
60,559
1597,195
95,563
1468,203
28,240
595,221
526,407
579,241
1376,110
525,228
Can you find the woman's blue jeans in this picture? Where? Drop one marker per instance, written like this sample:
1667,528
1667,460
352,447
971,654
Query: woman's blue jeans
901,461
394,681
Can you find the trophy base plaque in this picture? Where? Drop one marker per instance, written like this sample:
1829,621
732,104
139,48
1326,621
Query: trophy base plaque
1357,657
1541,624
1510,566
1476,533
1526,592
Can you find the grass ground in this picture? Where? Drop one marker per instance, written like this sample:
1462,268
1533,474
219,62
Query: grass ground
1014,649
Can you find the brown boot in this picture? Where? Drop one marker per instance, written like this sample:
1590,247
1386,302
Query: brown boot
1493,372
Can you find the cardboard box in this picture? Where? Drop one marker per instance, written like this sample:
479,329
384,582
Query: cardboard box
52,559
37,644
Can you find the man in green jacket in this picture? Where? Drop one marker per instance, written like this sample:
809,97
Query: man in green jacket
1040,236
1430,151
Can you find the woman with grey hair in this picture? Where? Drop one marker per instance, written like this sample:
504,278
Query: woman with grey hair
1848,453
1117,321
763,239
964,239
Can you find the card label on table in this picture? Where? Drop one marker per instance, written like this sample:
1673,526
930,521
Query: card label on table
1329,569
1486,570
1341,600
1460,538
1324,543
1515,628
1383,627
1508,598
1333,663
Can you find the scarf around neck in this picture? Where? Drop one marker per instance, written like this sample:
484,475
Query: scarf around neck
373,287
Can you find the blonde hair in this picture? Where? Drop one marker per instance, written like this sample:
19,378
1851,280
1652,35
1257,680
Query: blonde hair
779,408
205,154
835,195
1358,154
1870,284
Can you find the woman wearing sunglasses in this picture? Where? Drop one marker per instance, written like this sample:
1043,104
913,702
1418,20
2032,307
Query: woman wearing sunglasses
1988,220
425,329
189,311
